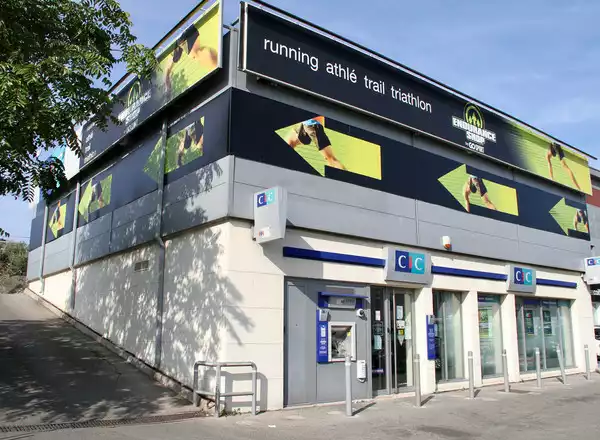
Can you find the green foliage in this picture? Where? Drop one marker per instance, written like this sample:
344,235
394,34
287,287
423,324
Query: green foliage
13,259
56,57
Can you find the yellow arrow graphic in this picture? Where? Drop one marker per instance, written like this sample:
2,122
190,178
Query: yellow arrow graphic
502,198
84,201
57,221
346,152
566,217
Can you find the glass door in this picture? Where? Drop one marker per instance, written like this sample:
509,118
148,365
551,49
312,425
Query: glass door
391,340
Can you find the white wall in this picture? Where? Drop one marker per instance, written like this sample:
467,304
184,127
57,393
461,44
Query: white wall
56,289
119,303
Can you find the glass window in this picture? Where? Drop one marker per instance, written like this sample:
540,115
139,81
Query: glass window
596,308
490,334
544,324
448,335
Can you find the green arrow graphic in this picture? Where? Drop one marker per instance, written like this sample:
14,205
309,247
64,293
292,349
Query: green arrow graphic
84,201
356,155
564,215
503,197
57,222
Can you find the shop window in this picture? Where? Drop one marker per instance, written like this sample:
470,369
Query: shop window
596,308
490,334
448,336
546,325
342,341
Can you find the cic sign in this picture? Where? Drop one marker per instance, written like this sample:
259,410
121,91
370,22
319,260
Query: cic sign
270,214
520,279
407,266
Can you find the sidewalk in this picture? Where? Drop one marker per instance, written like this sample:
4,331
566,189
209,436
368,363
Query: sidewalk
556,412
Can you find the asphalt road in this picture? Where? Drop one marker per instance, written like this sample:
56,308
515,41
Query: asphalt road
52,373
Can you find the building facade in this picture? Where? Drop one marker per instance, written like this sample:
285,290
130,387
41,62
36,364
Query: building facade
399,240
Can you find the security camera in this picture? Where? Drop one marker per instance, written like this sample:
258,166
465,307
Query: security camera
361,313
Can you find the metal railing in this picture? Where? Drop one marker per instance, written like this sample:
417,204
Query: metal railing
217,393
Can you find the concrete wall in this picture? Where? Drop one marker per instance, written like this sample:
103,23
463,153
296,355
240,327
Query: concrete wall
57,289
327,205
120,303
33,263
57,256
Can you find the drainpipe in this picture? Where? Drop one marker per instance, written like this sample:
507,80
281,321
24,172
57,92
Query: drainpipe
160,293
43,248
73,248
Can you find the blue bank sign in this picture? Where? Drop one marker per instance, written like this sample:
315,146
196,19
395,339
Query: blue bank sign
407,266
520,279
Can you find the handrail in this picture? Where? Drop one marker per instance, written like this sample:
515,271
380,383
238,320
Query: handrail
217,393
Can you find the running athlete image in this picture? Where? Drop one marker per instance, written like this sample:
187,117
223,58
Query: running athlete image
97,196
312,131
581,218
192,139
556,150
56,218
475,185
190,44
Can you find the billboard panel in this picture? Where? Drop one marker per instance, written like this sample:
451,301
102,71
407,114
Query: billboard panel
281,135
285,52
60,217
193,56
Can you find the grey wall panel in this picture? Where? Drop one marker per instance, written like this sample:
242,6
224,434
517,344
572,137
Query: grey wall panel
97,227
594,219
33,263
58,254
553,241
204,179
140,230
547,256
265,176
430,213
93,248
193,211
465,241
324,215
141,207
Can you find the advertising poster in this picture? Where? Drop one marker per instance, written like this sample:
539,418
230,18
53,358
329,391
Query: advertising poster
485,326
271,132
285,52
193,56
529,324
60,217
548,331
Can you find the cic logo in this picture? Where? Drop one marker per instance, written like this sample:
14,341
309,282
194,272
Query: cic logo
523,276
410,262
266,198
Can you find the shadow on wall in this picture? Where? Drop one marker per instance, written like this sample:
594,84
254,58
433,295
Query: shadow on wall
51,373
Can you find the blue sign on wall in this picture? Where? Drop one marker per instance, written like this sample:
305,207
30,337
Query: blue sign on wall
430,340
523,276
322,340
411,262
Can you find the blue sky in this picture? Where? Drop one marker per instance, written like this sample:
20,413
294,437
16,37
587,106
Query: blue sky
538,60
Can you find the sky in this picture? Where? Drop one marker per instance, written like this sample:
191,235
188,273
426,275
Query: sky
538,60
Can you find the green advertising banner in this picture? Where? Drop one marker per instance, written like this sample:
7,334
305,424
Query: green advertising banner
194,55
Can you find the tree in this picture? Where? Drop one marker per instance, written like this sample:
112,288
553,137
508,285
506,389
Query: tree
56,57
13,265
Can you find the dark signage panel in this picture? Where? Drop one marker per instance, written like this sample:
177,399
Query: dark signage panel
289,137
60,218
36,231
285,52
193,57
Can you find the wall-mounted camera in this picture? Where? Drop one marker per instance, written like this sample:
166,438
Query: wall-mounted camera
361,313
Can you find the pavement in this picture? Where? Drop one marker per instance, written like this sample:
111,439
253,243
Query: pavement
52,373
556,411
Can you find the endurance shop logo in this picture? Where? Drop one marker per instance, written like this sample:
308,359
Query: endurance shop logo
473,125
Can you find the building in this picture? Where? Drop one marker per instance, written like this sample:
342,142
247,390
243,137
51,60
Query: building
405,218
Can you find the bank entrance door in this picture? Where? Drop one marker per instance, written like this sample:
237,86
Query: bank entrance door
392,334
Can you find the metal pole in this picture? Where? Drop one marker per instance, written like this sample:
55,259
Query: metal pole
195,387
588,373
538,368
218,392
471,374
561,364
348,367
505,368
417,375
254,390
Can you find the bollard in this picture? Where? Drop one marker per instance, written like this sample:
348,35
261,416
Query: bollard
538,367
505,368
417,374
588,372
561,364
348,366
471,378
218,393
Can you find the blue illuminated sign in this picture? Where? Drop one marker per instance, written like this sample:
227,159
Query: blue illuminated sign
322,340
410,262
523,276
265,198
